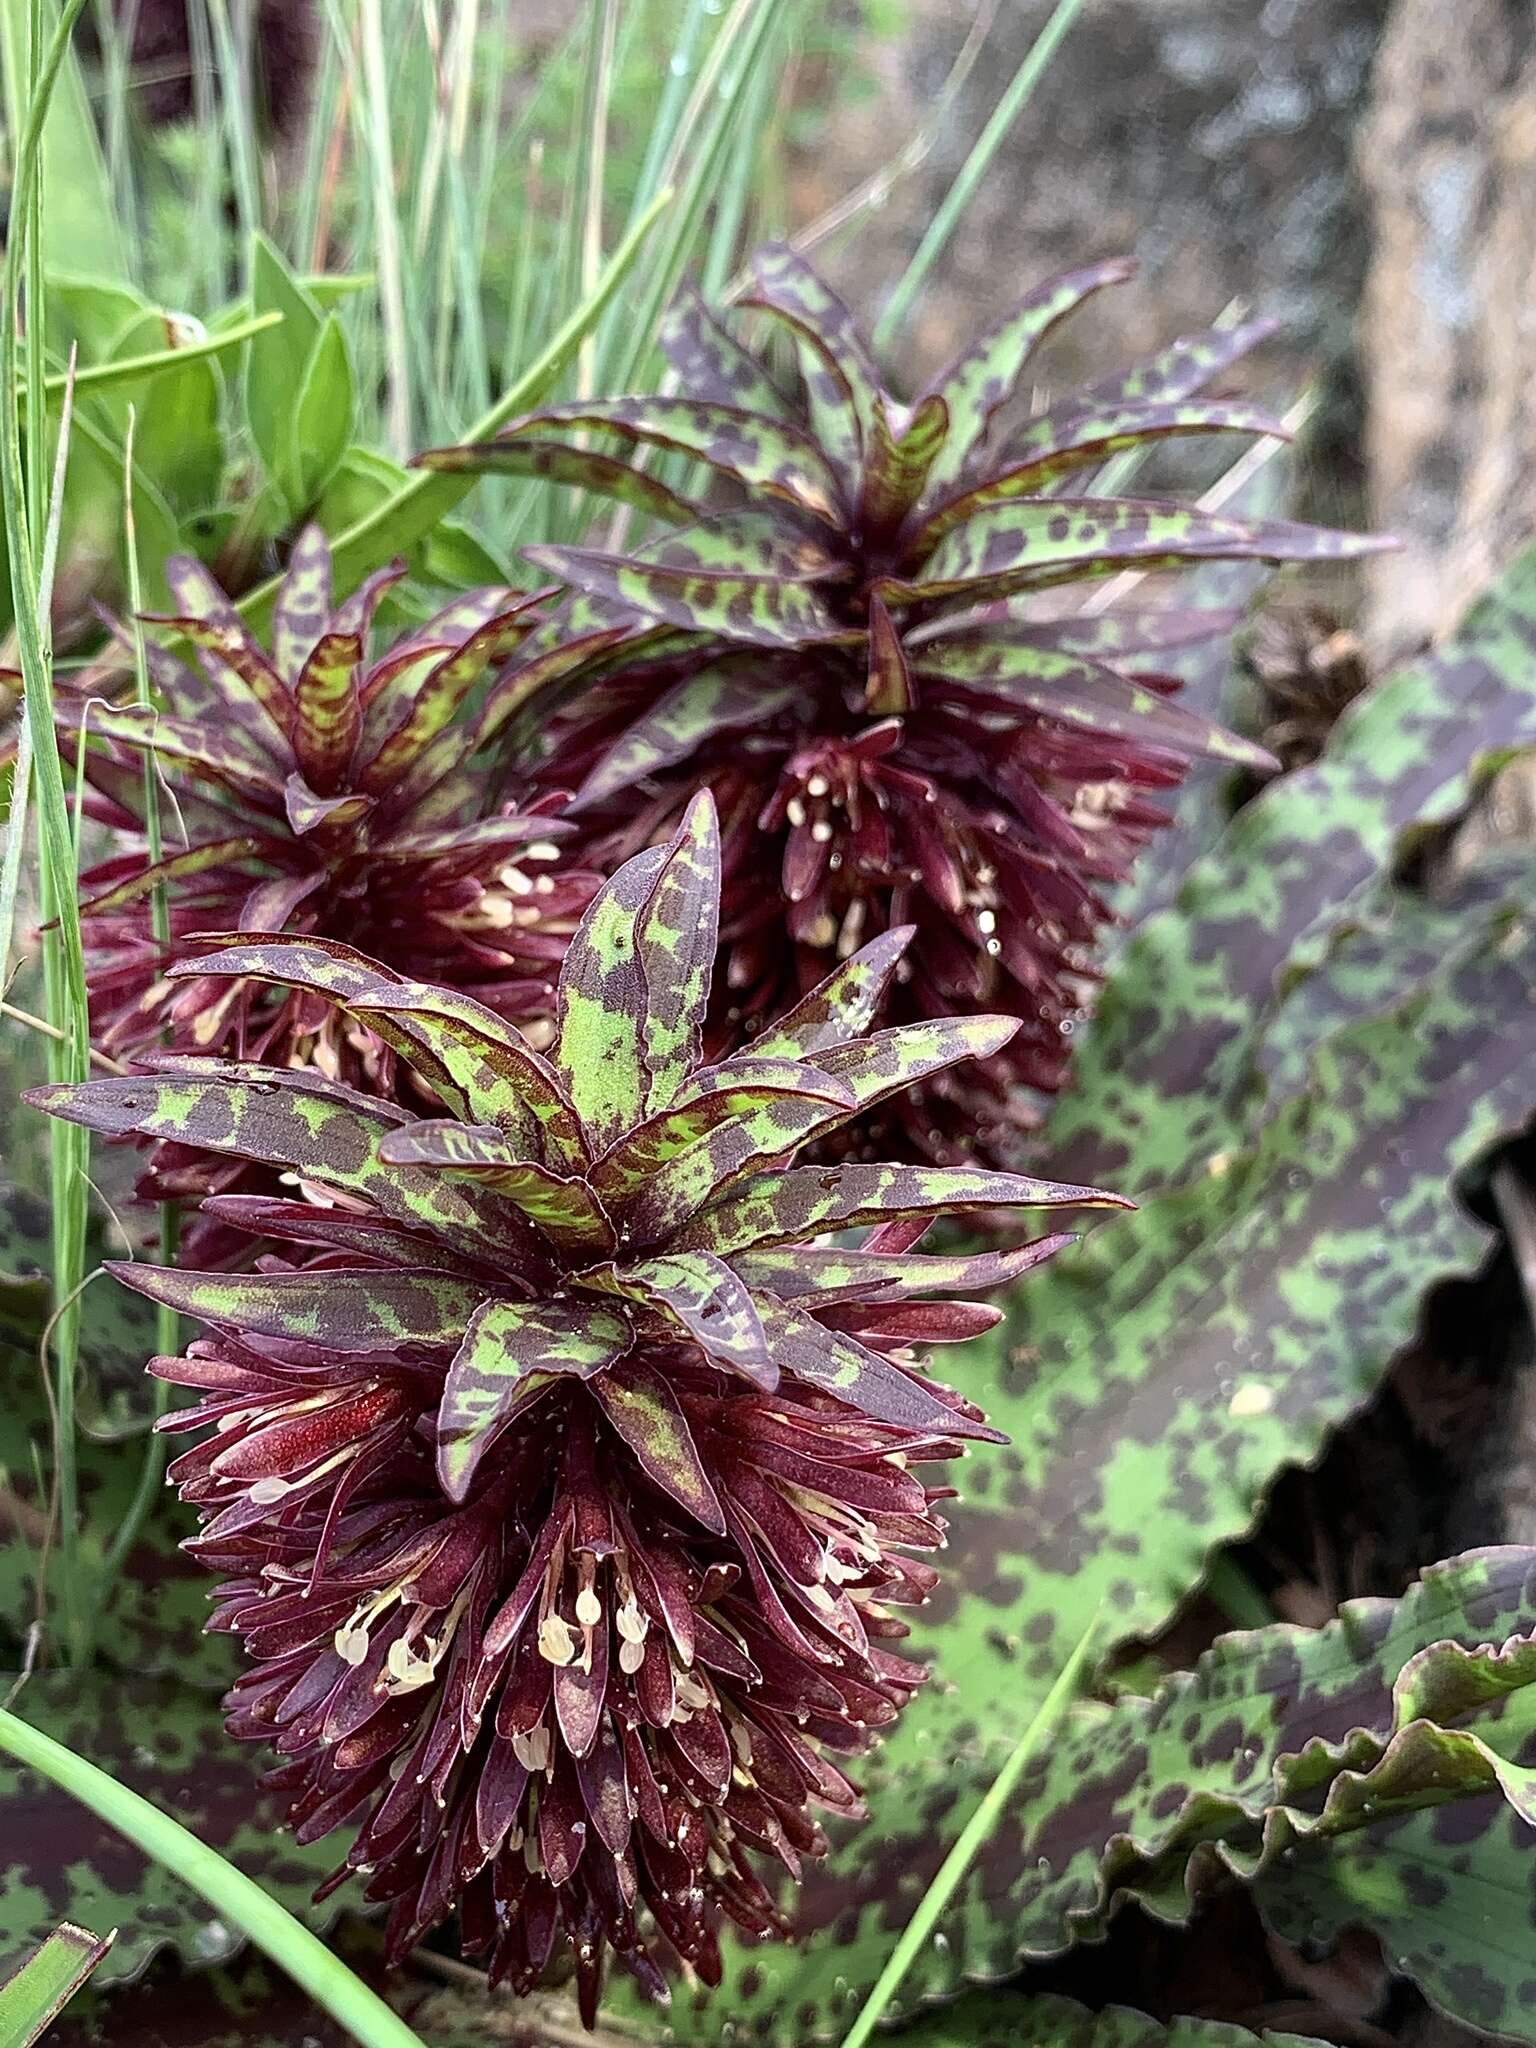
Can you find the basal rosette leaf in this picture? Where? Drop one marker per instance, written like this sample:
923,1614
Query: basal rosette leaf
1224,1768
163,1739
1158,1093
1013,2018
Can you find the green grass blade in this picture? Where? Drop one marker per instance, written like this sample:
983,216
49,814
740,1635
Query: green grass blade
63,959
975,168
99,377
34,1997
386,223
230,1892
429,496
972,1836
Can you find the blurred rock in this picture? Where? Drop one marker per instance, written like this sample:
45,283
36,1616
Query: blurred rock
1448,330
1211,138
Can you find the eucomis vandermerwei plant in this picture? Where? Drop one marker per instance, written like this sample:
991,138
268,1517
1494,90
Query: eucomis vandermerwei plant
321,787
567,1482
871,643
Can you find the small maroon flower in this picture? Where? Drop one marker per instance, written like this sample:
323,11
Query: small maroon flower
569,1493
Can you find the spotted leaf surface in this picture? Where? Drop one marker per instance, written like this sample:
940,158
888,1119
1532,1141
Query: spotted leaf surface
161,1739
1013,2018
1161,1088
365,1311
508,1346
1229,1764
707,1302
765,610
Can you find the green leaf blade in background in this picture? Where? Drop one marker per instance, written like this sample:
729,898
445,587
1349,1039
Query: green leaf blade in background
44,1983
1156,1092
1148,1798
163,1740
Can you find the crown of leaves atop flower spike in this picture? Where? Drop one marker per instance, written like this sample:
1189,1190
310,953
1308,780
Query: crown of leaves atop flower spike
566,1491
316,789
864,647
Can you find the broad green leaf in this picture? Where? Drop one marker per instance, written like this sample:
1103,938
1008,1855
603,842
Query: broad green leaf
322,416
34,1996
987,374
737,691
1123,1797
164,1740
705,1300
363,1311
644,1411
792,1207
278,359
508,1347
400,516
1031,543
1157,1093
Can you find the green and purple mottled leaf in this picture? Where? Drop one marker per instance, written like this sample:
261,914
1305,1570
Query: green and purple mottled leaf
165,1741
583,469
1010,2017
675,936
176,867
1129,1801
897,463
805,1201
1076,436
438,697
762,453
1031,543
823,1275
707,1303
987,374
308,812
508,1346
196,750
709,362
1159,1090
839,1365
839,1008
1080,692
876,1066
302,611
889,689
841,383
644,1411
765,1101
362,1311
768,610
738,691
563,1206
328,712
279,1117
600,1009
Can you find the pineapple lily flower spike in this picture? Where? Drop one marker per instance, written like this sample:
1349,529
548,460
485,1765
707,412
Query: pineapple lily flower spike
318,790
870,643
567,1484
